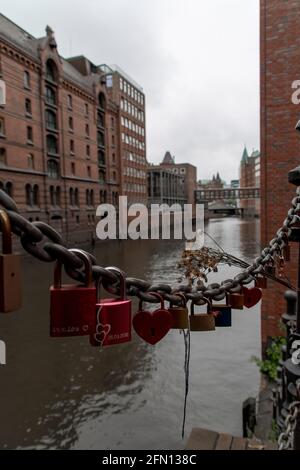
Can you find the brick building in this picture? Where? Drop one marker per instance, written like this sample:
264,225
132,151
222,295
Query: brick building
250,178
62,150
165,186
280,144
188,174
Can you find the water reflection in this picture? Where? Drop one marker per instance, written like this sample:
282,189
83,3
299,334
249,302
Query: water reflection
62,393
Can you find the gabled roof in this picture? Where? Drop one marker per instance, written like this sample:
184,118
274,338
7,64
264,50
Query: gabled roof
168,159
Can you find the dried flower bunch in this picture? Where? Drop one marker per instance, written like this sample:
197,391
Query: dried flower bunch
197,264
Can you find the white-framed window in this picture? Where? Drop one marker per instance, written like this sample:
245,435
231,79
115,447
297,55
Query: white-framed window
121,83
2,93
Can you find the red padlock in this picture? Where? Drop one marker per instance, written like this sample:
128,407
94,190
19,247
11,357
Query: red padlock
153,326
113,316
72,307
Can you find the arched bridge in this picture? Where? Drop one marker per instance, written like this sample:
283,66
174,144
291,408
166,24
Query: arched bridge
226,194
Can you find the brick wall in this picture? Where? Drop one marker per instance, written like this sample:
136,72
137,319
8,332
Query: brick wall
280,144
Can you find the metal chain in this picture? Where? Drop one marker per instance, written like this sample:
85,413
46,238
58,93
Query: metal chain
45,244
286,438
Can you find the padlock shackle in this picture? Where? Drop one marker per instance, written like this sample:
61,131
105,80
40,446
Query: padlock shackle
158,296
122,278
6,232
87,265
182,297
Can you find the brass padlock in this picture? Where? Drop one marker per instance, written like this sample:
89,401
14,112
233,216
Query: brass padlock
10,270
180,314
236,301
200,321
261,282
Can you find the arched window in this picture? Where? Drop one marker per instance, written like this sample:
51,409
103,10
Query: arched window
50,95
51,122
35,195
51,71
28,195
52,145
8,188
102,100
52,199
71,124
2,156
58,196
77,197
26,80
100,119
53,169
71,195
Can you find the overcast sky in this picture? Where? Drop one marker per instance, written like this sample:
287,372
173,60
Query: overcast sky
197,61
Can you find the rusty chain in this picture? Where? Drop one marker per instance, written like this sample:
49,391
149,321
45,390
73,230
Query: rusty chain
44,243
286,438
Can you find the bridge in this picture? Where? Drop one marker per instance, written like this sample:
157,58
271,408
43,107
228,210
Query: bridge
231,194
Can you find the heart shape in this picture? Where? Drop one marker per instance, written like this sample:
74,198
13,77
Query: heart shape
251,296
102,331
152,326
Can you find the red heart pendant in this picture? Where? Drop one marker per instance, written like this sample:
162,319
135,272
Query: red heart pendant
152,327
251,296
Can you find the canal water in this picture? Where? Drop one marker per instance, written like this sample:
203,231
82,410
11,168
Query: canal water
64,394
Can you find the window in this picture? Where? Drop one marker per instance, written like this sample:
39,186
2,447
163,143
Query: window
112,122
52,197
100,139
71,123
77,219
2,156
87,130
100,119
121,83
29,134
114,176
109,81
30,160
88,151
86,109
57,196
102,101
26,80
53,169
51,71
2,127
72,147
70,102
73,169
101,157
50,95
28,109
8,188
52,146
113,140
35,195
51,122
114,158
71,196
102,176
76,197
28,195
89,171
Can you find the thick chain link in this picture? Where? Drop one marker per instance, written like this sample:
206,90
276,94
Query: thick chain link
45,244
286,438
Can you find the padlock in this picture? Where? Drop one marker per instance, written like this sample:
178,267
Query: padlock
261,282
200,321
152,327
180,314
113,316
72,307
221,314
10,270
236,301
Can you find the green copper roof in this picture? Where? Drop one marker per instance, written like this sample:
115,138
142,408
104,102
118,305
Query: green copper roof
245,156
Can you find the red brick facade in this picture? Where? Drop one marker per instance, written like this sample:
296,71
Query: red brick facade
280,144
61,146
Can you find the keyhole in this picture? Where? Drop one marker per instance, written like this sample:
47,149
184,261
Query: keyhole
12,274
152,330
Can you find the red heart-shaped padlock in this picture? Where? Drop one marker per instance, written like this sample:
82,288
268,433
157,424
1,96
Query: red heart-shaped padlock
153,326
251,296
